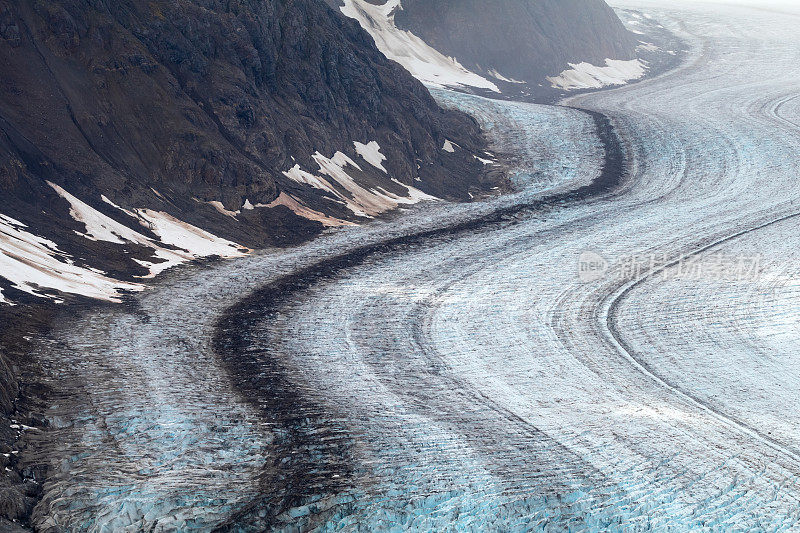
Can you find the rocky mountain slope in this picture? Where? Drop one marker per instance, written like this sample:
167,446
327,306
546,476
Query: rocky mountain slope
511,46
134,132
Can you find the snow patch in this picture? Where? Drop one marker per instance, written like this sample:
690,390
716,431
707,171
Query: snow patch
371,153
448,146
220,207
588,76
99,227
102,227
363,202
161,196
423,62
301,176
33,264
304,211
649,47
500,77
198,242
414,195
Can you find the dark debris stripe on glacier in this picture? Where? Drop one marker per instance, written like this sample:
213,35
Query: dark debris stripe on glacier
504,314
255,361
145,432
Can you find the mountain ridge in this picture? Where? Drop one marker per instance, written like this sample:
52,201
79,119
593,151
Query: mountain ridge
522,48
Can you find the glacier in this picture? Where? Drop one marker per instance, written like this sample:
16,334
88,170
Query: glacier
449,369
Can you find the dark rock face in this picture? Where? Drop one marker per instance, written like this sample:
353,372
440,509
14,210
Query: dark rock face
206,99
522,39
22,402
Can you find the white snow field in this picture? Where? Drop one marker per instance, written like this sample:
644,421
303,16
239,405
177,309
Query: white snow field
424,62
361,201
587,76
476,380
37,266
